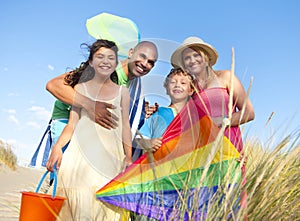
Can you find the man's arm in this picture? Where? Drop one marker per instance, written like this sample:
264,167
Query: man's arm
97,110
62,91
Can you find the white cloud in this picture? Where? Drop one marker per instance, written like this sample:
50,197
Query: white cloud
3,141
11,94
50,67
11,142
13,118
5,69
40,112
33,124
11,111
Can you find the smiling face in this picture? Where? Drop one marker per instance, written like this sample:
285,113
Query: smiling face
179,86
141,59
194,61
104,61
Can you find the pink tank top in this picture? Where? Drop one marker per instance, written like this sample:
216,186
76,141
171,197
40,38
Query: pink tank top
214,102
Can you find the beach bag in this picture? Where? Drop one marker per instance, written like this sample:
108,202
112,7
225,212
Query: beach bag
41,207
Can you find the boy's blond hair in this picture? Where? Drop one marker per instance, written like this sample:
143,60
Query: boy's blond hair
179,71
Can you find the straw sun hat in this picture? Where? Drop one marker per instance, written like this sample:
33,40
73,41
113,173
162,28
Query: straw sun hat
195,42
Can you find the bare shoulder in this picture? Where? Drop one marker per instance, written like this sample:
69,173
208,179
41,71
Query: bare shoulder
79,88
124,90
125,97
222,73
223,76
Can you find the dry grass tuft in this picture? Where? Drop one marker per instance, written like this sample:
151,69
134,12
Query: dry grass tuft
273,186
273,180
7,156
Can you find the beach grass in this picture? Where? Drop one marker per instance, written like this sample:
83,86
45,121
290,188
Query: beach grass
273,180
273,183
7,156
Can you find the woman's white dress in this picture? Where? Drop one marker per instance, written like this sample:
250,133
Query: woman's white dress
94,157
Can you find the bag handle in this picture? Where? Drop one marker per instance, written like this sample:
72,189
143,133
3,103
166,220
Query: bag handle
54,184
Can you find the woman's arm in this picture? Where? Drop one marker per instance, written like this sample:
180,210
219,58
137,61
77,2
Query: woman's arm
241,100
126,132
98,111
64,138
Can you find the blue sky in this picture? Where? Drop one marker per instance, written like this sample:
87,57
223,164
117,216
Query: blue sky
41,39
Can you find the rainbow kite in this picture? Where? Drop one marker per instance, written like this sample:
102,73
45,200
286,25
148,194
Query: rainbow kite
177,181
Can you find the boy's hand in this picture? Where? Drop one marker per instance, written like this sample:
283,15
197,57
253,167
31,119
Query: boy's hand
155,144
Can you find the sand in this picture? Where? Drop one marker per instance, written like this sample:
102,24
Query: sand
12,183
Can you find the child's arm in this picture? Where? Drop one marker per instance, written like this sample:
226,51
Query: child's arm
64,138
126,132
145,135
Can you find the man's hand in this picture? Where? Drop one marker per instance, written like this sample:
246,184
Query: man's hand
150,109
100,114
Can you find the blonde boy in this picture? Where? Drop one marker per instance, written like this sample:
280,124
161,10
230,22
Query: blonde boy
179,86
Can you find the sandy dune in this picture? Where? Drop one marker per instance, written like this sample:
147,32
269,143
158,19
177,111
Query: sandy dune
11,185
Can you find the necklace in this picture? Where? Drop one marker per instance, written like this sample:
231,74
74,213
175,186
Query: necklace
208,78
202,83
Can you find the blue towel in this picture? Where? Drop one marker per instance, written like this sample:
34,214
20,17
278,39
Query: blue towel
47,147
136,112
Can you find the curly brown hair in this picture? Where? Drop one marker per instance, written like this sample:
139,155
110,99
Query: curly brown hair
85,72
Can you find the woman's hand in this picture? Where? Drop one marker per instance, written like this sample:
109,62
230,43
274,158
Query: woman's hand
55,158
242,159
126,163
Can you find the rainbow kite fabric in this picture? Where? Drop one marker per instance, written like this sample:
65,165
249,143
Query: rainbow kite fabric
177,177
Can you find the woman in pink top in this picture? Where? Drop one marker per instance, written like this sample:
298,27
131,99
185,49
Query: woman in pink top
214,88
